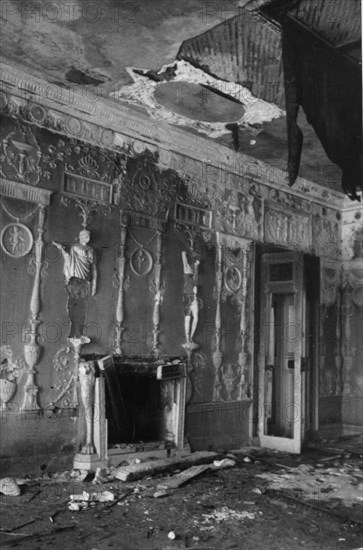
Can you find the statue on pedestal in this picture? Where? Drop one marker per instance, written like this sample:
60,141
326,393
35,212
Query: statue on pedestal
190,300
80,274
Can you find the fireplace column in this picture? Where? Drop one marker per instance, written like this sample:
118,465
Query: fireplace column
93,452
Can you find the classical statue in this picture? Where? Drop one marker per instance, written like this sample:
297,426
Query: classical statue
79,262
80,274
190,299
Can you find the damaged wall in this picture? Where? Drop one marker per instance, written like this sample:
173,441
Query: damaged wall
157,232
171,199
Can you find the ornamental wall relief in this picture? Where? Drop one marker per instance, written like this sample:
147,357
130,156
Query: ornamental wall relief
239,213
16,240
22,158
287,228
145,189
232,267
11,371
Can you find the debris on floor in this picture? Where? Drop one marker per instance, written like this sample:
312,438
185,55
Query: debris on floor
183,477
205,507
9,487
224,463
343,482
155,467
226,514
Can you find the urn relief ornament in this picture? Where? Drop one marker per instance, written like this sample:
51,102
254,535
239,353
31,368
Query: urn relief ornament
10,372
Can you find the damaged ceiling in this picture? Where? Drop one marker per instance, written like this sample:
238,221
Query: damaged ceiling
236,72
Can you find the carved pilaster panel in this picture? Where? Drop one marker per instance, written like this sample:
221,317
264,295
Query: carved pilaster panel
158,292
32,349
217,354
87,377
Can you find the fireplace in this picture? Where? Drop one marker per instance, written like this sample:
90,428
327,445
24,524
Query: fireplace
128,400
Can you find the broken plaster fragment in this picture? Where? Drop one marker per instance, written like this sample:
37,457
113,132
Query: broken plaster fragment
225,463
161,493
9,487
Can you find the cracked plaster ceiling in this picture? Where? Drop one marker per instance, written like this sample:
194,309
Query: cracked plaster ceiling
134,52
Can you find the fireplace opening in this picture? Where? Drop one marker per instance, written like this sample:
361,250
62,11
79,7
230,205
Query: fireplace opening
144,400
134,409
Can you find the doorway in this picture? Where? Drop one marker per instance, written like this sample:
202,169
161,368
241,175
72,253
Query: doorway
287,349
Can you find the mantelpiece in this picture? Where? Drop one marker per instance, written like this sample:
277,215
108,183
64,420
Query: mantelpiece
95,372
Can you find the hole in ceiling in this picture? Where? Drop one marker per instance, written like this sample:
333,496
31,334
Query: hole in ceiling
198,102
79,77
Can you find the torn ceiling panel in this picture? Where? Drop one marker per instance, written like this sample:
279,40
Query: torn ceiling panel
321,55
328,87
187,104
245,49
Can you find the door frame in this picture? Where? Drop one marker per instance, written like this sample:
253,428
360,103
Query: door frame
267,289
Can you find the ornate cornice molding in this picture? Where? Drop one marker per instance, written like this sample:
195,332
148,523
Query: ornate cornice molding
110,124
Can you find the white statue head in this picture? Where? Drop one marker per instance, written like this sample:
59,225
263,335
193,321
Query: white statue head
84,236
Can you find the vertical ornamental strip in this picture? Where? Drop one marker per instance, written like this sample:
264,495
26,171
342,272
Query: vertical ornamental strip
217,354
32,349
120,297
157,297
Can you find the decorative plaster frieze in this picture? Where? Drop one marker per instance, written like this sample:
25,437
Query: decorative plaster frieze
24,192
286,227
98,120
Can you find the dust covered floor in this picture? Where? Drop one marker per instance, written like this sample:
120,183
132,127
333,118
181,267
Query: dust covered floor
269,500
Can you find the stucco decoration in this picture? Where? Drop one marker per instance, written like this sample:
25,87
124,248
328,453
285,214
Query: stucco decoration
352,304
119,283
62,391
329,283
90,172
326,233
330,335
23,160
27,96
11,370
87,208
87,378
16,240
231,376
288,228
145,189
352,232
32,348
196,373
23,192
239,213
217,353
232,261
142,92
158,290
141,262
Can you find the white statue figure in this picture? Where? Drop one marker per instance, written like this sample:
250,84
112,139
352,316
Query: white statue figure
81,279
80,261
190,300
